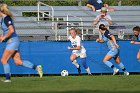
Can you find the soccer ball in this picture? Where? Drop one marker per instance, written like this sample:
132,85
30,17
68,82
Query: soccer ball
64,73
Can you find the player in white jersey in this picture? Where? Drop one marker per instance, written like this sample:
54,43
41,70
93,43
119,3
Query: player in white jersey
136,31
78,50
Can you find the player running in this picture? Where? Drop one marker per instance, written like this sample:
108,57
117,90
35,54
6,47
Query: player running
78,50
136,31
110,40
12,44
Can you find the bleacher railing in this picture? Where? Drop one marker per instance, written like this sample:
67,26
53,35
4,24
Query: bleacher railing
81,24
50,15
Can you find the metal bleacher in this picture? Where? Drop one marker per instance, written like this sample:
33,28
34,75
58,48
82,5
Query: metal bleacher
128,16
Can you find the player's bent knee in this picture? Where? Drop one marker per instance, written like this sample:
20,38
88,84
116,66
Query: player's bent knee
18,63
104,60
138,58
72,59
3,61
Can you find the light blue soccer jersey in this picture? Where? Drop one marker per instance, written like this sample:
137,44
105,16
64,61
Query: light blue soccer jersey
114,52
5,23
108,41
12,43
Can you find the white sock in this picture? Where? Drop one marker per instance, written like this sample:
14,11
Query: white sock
75,63
88,70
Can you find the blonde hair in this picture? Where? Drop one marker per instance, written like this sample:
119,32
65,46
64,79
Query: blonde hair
5,10
76,30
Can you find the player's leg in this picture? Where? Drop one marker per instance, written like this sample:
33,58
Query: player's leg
26,63
84,62
121,65
5,57
74,62
109,64
91,6
138,56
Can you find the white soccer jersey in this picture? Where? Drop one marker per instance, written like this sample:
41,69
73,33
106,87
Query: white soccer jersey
77,42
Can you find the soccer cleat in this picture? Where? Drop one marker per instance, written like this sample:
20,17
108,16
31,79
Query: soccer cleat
115,71
39,70
79,70
90,75
126,73
6,81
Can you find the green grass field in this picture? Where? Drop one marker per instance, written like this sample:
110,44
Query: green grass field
73,84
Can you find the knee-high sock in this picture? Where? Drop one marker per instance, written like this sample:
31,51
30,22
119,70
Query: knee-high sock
122,66
83,60
7,71
75,63
88,70
84,63
139,60
109,64
28,64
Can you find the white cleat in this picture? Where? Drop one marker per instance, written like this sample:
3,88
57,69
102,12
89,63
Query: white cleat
39,70
115,71
6,81
126,73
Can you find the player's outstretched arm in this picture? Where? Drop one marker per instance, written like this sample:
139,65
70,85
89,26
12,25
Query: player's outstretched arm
114,40
133,42
99,40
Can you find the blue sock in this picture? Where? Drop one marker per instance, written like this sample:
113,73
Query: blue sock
122,66
7,71
109,64
83,60
28,64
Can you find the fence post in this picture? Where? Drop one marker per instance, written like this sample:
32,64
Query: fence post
119,2
67,26
79,2
38,8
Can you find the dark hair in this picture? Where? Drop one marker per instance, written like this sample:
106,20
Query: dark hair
137,28
76,30
102,27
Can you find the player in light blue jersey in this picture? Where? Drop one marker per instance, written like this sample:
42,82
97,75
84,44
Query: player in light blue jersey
78,50
136,31
11,39
110,40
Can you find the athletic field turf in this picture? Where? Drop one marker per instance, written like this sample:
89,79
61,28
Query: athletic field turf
73,84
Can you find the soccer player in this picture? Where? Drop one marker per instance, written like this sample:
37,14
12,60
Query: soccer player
136,31
110,40
96,5
78,50
12,44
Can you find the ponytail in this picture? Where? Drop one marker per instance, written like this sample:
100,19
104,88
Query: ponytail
5,10
102,27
